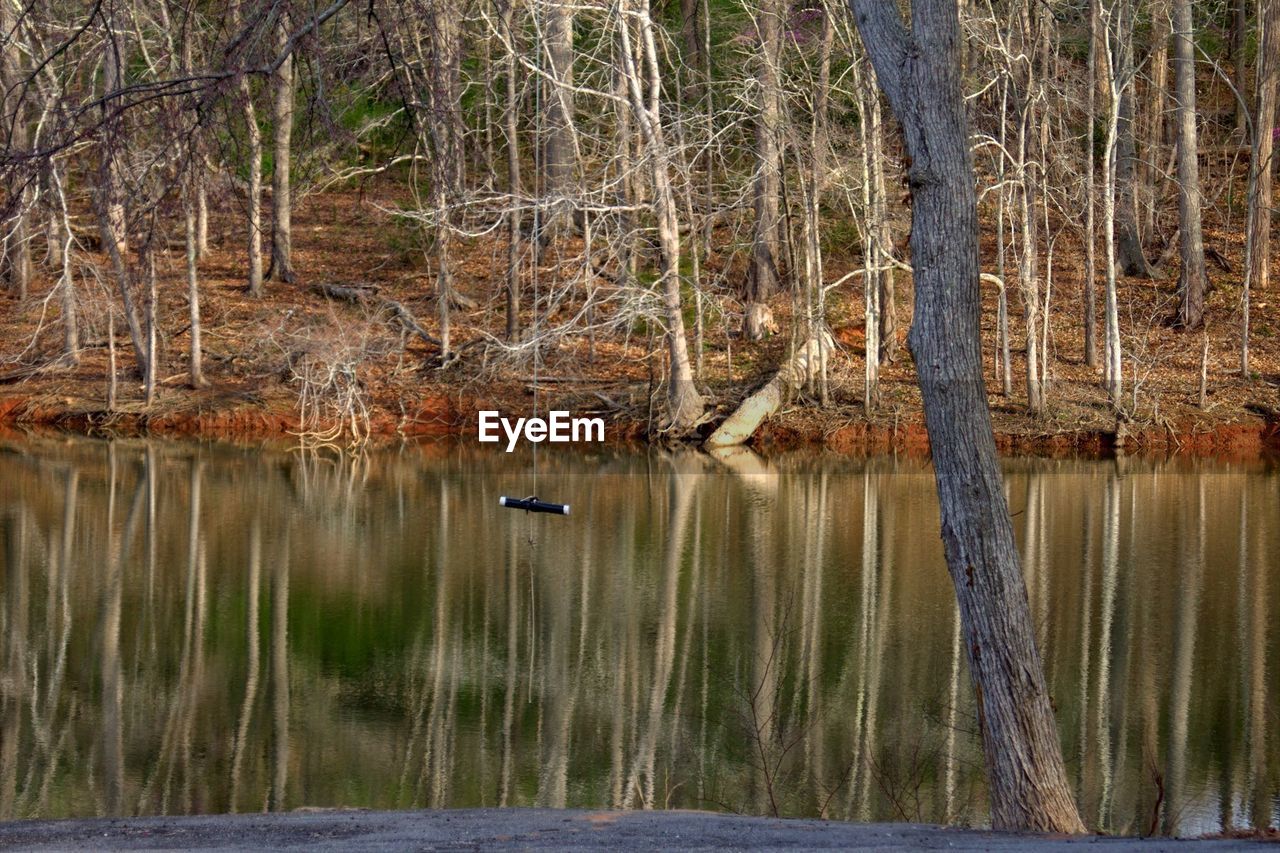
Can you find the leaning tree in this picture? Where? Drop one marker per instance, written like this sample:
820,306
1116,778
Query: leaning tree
919,69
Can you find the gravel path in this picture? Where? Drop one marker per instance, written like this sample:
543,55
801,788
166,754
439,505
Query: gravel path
519,829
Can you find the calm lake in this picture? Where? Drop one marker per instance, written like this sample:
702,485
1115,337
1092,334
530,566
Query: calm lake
205,628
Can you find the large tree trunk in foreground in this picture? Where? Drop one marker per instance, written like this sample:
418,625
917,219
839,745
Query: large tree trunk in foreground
1192,281
920,74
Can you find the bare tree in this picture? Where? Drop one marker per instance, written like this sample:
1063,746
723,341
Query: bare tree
558,158
1193,280
1262,165
685,404
282,134
511,127
919,70
1090,189
1119,77
1154,121
763,276
1127,237
13,125
253,153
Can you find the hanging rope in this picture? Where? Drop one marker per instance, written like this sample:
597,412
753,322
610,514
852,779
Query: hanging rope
535,255
531,504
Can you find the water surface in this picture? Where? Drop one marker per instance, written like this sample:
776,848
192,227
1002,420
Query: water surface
203,628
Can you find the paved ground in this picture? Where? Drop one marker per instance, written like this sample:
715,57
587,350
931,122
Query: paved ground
518,829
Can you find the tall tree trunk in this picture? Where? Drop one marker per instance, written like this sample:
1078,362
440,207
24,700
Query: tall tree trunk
13,127
920,74
1090,190
1113,377
512,129
880,218
558,156
1236,52
112,221
1128,238
1263,157
1004,361
871,248
282,134
193,283
444,130
153,311
692,42
763,276
70,320
685,404
1192,281
1157,94
253,137
1028,275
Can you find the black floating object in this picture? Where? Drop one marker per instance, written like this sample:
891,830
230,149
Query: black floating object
534,505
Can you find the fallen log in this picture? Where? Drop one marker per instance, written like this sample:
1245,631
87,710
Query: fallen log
742,424
365,295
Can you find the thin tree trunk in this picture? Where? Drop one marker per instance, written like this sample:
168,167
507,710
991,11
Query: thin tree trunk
763,277
685,404
1192,281
1157,93
13,127
871,249
880,216
1236,52
1127,236
444,131
1006,358
254,152
1090,189
1113,373
112,221
920,74
202,213
1263,155
511,123
70,320
692,42
282,133
193,287
153,298
1028,276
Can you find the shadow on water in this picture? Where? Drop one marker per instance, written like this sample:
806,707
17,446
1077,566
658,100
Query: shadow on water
194,628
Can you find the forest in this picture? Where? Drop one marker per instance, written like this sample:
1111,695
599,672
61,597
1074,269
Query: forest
718,221
353,218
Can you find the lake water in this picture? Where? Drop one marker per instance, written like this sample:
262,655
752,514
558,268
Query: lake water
204,628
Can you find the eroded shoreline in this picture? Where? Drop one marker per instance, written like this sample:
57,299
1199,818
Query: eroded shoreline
1246,436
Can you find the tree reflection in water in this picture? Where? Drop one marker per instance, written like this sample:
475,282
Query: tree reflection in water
207,628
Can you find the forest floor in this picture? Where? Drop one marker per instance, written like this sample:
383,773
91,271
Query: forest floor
295,362
547,829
